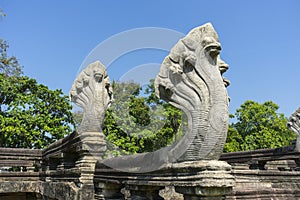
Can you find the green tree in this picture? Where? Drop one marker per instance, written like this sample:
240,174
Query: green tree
119,125
9,65
174,119
31,115
138,123
258,126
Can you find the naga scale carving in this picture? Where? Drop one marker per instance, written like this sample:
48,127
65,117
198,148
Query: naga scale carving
190,79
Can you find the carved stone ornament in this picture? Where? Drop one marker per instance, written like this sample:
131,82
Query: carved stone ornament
92,91
190,79
294,125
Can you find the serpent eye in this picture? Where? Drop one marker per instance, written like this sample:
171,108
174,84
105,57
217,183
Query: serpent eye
213,49
190,61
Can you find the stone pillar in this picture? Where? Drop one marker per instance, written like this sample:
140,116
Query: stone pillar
90,149
140,192
86,165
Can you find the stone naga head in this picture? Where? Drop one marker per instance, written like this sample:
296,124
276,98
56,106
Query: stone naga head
294,125
92,91
191,79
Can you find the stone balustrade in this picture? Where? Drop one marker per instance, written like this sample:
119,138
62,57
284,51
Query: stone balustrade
262,158
69,172
26,160
19,173
265,173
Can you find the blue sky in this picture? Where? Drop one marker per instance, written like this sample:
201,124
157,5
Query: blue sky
260,40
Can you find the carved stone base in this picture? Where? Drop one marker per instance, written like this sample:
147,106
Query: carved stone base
213,181
207,179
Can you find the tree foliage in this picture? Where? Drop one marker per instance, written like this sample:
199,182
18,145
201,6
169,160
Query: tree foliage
258,126
31,115
137,122
9,65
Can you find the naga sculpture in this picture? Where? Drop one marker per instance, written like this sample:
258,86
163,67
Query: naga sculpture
190,79
294,125
92,92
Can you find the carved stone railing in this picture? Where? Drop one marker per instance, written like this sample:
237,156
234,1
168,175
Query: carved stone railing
70,164
265,173
19,172
17,160
258,159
